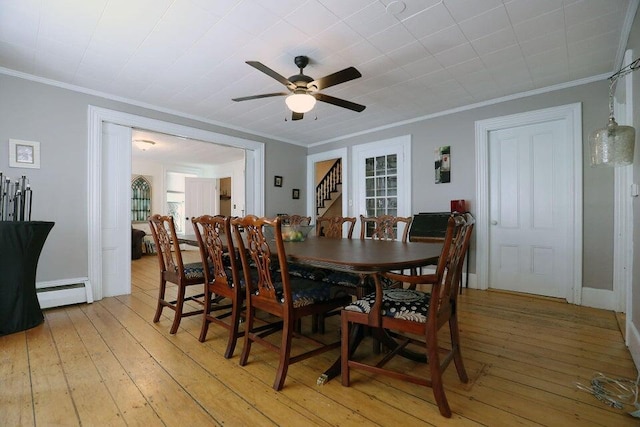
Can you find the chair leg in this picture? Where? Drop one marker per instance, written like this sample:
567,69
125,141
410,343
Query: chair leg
285,353
244,356
205,313
436,375
236,309
161,291
455,348
178,309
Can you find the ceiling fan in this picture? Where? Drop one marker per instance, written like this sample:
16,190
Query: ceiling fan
304,90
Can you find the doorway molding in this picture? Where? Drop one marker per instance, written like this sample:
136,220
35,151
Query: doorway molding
254,170
571,115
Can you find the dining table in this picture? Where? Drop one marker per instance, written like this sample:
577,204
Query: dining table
363,256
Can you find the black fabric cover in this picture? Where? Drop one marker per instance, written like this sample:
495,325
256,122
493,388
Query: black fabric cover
136,243
21,243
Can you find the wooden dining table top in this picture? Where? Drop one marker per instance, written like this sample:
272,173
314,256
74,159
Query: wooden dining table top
357,255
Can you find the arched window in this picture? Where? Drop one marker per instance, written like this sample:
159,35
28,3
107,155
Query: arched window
140,199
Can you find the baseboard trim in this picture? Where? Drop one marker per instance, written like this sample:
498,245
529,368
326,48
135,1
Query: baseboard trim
598,298
633,342
57,293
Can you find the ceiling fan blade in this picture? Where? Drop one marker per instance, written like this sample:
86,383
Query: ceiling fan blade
264,95
296,116
335,78
339,102
268,71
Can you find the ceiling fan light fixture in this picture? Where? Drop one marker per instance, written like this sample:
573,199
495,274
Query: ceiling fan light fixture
300,102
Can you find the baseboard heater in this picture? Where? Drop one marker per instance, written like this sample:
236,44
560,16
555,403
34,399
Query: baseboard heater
64,292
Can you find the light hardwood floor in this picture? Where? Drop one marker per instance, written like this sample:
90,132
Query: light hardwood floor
106,363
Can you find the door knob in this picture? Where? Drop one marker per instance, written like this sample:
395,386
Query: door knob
494,222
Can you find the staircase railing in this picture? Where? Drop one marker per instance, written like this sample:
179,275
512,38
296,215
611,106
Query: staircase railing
328,184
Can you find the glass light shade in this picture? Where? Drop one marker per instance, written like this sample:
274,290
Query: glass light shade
144,144
613,145
300,102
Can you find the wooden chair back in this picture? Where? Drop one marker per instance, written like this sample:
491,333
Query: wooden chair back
332,226
295,219
384,227
164,235
215,241
256,253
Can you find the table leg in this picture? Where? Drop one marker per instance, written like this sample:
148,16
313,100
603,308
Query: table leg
333,371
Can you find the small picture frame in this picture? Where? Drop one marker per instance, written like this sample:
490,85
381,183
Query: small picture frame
24,154
296,193
277,181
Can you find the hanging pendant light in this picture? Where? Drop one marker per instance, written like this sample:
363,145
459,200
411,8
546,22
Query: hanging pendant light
614,145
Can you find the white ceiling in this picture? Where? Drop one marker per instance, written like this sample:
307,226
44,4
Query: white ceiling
418,58
169,149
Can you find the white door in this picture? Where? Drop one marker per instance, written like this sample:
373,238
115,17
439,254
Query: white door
530,215
382,179
201,197
116,210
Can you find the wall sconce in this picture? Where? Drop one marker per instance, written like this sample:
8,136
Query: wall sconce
614,144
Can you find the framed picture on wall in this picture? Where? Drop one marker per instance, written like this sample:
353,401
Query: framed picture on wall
24,154
277,181
296,193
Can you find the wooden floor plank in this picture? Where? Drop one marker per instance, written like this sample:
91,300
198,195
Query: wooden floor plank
52,400
85,382
133,406
15,392
166,396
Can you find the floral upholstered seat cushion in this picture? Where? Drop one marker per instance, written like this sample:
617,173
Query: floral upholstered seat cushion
399,303
343,278
194,270
305,292
307,272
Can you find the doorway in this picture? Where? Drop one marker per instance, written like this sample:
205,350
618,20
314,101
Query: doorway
514,204
97,117
313,161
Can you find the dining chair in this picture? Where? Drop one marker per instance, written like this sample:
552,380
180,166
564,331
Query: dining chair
332,226
384,227
415,317
295,219
173,270
275,292
223,289
325,227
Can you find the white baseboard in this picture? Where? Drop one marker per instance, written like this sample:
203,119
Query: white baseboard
633,342
57,293
598,298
